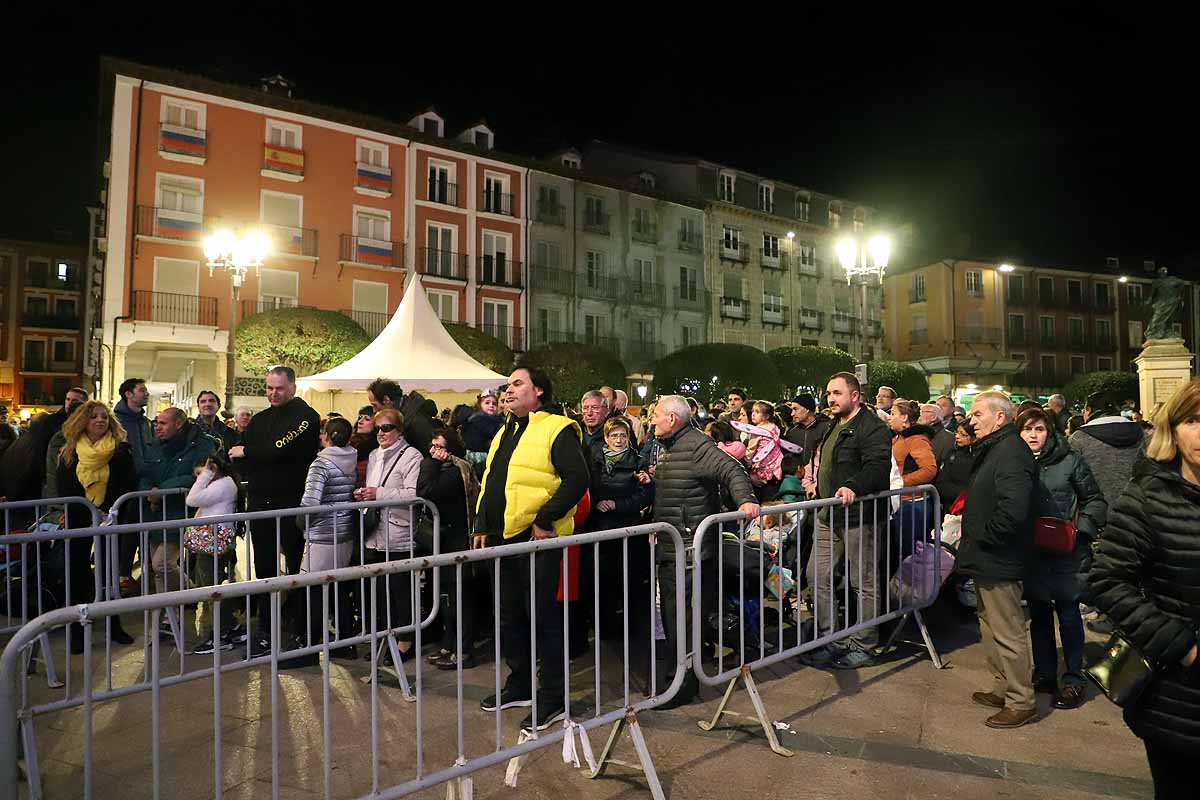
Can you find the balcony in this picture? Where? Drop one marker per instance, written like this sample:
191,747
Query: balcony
1077,303
286,163
551,213
1075,340
874,328
1047,300
373,322
1046,339
644,293
442,264
186,144
811,319
167,223
174,309
494,271
370,252
543,337
735,251
843,322
1046,378
598,287
596,222
1019,336
645,230
774,314
50,367
773,259
734,308
444,192
1016,297
975,291
251,307
918,337
1139,308
690,297
809,269
40,280
494,202
1103,305
39,397
916,295
1104,343
978,335
58,322
373,180
289,241
551,279
690,241
512,337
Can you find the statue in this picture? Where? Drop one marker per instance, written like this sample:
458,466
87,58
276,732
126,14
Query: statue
1166,298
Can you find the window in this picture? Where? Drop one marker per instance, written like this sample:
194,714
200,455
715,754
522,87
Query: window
808,254
1078,365
974,280
497,320
843,346
1103,296
766,197
64,351
593,210
431,124
687,230
283,134
65,307
1112,263
1016,289
184,196
644,331
1134,293
595,328
595,269
1148,265
497,267
1074,292
641,221
1046,325
643,273
63,271
647,180
571,162
37,273
770,245
37,305
1049,370
182,114
439,251
370,297
483,140
802,202
733,288
731,238
549,255
496,199
372,223
688,336
1045,291
441,184
835,216
1135,333
860,220
1104,363
810,342
549,323
35,355
278,288
284,210
1016,328
726,187
917,293
687,283
920,322
1104,332
445,304
1075,330
372,153
773,297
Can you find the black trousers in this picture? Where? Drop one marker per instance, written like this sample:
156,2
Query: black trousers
516,612
394,595
709,592
266,556
613,580
1173,773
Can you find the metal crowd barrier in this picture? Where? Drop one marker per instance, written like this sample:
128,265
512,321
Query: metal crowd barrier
913,533
588,715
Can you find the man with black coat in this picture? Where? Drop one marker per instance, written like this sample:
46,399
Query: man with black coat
997,535
417,411
24,462
209,421
277,448
689,478
853,460
807,430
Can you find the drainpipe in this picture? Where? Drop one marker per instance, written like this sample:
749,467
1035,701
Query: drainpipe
112,357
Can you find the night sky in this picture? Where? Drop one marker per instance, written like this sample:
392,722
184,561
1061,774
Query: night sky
1056,139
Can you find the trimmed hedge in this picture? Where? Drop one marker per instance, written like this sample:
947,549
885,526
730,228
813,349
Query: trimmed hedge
707,371
575,368
309,340
483,347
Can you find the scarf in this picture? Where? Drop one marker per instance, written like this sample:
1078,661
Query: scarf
92,466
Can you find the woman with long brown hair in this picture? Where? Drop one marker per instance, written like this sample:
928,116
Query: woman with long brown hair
97,463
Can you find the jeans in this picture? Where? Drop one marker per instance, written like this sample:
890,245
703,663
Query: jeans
516,613
1070,630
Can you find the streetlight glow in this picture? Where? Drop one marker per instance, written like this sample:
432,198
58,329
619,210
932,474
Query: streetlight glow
846,250
1006,268
997,388
1123,279
791,235
971,387
880,248
641,390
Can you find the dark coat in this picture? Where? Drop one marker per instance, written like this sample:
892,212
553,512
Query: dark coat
479,430
954,475
227,436
441,483
23,463
689,478
997,525
808,439
618,482
418,423
138,432
943,444
280,442
1146,578
122,478
862,458
172,465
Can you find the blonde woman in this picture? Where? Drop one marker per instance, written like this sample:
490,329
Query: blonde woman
1146,580
97,463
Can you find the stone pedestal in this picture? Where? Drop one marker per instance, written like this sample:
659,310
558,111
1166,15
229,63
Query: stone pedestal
1163,366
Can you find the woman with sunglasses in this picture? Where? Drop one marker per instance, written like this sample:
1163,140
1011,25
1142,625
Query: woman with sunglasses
392,471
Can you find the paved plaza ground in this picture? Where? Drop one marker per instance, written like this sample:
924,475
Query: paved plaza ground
897,729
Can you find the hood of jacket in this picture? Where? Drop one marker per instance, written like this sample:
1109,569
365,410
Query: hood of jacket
122,409
1053,451
918,430
1114,431
344,458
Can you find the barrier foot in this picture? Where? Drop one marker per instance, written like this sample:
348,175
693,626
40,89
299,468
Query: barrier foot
760,711
52,679
933,653
31,763
645,763
397,668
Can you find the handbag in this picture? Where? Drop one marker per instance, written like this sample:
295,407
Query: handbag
1054,535
371,516
1122,672
209,539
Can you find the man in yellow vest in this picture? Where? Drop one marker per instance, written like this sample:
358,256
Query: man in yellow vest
535,475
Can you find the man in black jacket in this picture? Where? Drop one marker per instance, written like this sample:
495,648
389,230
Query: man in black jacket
689,478
209,422
997,534
277,448
808,429
854,459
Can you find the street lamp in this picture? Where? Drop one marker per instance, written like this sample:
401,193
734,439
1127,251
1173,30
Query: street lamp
865,260
641,390
1006,267
236,255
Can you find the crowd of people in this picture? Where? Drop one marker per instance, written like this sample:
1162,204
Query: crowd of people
1016,479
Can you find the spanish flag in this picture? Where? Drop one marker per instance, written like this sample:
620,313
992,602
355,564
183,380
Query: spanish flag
283,159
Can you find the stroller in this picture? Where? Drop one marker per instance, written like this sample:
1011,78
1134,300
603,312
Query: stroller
34,573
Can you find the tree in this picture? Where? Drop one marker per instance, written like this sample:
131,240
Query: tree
707,371
575,368
906,379
309,340
484,348
807,369
1125,384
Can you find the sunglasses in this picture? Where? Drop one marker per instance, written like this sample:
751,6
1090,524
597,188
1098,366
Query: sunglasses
386,427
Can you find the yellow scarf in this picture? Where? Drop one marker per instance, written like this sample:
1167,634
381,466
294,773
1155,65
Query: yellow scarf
92,469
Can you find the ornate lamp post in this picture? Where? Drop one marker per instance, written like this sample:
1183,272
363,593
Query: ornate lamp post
236,255
864,260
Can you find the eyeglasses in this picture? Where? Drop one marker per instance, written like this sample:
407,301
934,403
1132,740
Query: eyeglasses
436,446
386,427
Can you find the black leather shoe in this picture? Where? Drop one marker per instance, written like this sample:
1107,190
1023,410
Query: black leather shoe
1070,696
1045,685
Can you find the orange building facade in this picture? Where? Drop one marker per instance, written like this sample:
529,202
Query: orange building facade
352,204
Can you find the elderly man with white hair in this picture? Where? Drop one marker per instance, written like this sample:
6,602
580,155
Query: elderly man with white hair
689,477
943,440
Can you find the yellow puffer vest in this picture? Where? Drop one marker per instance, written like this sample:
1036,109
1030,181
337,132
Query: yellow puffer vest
532,480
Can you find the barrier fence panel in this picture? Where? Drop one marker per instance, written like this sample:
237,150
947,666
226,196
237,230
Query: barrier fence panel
827,574
122,676
465,743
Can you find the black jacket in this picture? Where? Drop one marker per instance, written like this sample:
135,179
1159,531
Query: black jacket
23,464
281,442
227,436
688,480
808,438
418,424
862,458
997,525
1146,578
942,442
618,482
441,483
122,478
954,475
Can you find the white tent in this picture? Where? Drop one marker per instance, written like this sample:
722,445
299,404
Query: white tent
414,350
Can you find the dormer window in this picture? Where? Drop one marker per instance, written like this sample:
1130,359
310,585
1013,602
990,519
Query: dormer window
727,187
1112,262
483,139
428,122
766,197
646,179
835,216
860,220
802,207
571,161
